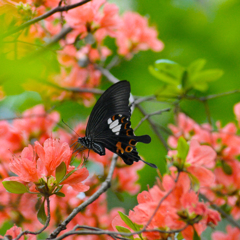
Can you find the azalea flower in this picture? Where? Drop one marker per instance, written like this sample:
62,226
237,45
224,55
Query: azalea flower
37,168
179,208
135,35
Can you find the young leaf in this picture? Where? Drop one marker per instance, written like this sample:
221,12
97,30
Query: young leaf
200,86
226,168
170,68
68,175
124,230
61,172
207,75
195,235
196,66
41,215
194,181
60,194
182,148
167,71
162,76
129,222
15,187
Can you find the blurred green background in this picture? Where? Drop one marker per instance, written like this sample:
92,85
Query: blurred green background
190,30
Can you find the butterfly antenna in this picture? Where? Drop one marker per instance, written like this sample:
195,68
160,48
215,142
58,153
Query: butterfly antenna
88,154
149,164
70,128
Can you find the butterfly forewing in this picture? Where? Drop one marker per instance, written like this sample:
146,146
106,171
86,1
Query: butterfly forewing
113,101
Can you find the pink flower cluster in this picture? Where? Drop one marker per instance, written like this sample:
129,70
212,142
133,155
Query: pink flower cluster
84,46
180,207
35,167
221,184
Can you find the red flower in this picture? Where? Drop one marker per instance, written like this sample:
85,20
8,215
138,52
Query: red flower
37,169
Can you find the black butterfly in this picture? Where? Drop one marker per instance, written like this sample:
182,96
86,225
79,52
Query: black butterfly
109,126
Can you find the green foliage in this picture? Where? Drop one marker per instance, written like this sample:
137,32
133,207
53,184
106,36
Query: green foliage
15,187
129,222
194,181
182,148
124,230
60,194
135,227
195,235
61,172
177,80
41,215
226,168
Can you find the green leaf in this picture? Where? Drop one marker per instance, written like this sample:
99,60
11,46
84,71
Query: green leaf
195,182
15,187
61,172
201,86
195,235
184,79
60,194
207,75
124,230
226,168
68,175
182,148
41,215
129,222
196,66
167,71
179,236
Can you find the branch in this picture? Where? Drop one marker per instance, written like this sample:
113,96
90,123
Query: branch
154,127
97,231
105,185
107,74
45,15
41,230
151,114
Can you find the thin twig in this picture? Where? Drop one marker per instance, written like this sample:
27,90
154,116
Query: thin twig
151,114
154,127
214,206
107,74
45,225
105,185
206,106
115,234
143,99
45,15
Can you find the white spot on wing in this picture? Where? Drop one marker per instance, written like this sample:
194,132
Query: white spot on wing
114,124
117,128
109,120
116,133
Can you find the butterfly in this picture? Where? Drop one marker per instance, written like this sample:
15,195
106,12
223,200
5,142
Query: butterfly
109,126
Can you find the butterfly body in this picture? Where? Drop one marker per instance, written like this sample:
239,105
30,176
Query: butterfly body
109,126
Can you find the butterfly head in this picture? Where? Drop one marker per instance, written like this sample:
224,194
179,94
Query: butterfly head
87,142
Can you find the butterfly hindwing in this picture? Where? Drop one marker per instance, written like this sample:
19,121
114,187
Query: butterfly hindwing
119,138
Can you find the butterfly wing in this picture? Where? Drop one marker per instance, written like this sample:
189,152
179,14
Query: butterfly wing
109,124
113,101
